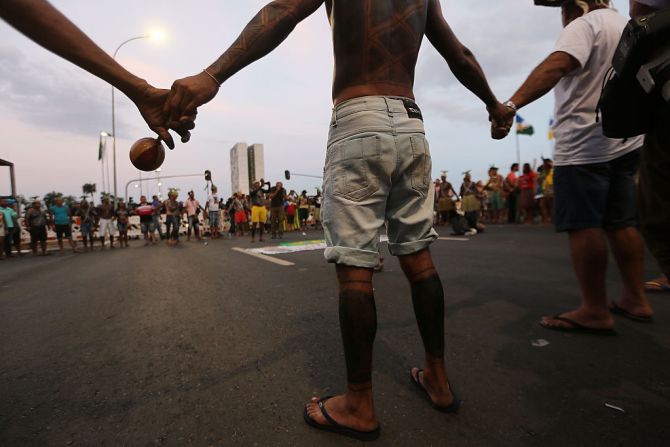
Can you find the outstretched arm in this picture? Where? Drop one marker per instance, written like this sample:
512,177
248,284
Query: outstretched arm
545,77
48,27
541,80
461,60
263,34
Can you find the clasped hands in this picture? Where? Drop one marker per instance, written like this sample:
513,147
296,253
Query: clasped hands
501,117
174,109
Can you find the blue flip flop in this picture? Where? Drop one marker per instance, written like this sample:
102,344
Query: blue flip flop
451,408
656,286
334,427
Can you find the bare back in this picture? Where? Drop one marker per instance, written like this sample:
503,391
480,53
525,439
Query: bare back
376,45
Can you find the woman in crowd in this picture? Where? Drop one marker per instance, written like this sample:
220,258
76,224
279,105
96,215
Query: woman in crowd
172,218
527,186
86,215
122,224
547,182
303,211
470,204
494,187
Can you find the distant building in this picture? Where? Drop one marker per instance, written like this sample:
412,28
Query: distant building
256,162
247,163
239,168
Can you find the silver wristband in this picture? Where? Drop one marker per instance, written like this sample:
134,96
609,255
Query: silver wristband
511,105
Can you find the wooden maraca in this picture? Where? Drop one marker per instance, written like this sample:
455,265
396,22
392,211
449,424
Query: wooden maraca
147,154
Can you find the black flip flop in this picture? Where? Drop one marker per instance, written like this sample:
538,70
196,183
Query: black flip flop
336,428
576,327
451,408
615,309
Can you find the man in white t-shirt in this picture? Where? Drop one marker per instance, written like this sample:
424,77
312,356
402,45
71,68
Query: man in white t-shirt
213,208
594,183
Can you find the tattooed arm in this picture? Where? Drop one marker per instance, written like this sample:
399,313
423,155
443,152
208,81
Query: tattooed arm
462,63
48,27
270,27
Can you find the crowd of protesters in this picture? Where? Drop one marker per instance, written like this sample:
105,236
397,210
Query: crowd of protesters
518,197
266,209
270,209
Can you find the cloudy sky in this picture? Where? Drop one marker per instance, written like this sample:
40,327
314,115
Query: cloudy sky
52,112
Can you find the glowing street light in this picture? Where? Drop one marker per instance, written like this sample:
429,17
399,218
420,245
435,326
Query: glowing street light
154,35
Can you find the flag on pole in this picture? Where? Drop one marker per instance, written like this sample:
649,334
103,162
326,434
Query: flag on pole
100,149
522,127
551,129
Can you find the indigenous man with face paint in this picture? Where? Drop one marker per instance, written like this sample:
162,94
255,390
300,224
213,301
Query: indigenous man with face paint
378,169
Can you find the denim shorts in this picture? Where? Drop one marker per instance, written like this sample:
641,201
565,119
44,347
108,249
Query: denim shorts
193,221
213,218
599,195
377,172
86,229
147,227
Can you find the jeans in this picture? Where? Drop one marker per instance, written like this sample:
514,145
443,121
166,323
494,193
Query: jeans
193,223
172,227
157,225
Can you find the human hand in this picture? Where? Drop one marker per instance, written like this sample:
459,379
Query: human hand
186,95
501,118
150,101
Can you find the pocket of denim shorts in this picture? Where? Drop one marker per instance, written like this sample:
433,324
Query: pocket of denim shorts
420,169
352,164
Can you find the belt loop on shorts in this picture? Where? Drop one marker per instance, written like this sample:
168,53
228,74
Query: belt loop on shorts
334,123
389,111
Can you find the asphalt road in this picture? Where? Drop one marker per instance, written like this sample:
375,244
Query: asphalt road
203,345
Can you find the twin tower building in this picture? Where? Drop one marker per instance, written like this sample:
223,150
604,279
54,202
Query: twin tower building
246,166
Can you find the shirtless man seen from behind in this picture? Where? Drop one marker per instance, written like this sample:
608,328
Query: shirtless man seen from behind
378,170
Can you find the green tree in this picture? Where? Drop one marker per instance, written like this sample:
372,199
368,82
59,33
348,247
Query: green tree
70,200
89,189
50,197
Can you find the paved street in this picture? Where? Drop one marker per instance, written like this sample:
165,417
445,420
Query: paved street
204,345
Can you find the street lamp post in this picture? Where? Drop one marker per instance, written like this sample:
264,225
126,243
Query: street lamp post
153,35
104,135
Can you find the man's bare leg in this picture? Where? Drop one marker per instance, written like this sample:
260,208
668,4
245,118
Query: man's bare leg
628,250
588,250
428,302
358,325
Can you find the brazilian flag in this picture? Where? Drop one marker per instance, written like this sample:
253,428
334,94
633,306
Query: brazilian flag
523,127
100,150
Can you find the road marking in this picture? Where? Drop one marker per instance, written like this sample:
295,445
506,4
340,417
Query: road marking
264,257
461,239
